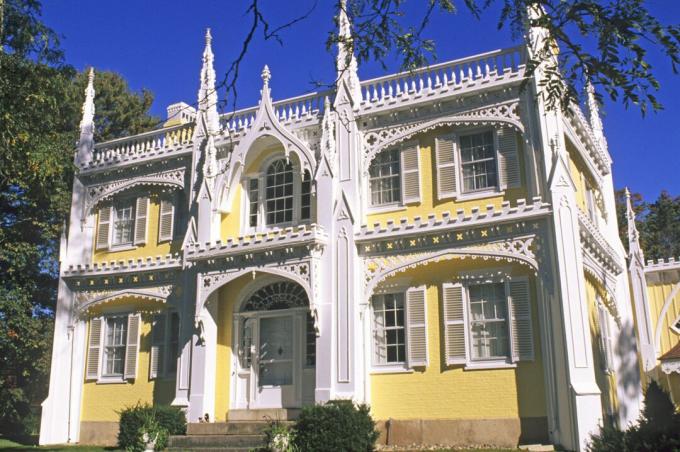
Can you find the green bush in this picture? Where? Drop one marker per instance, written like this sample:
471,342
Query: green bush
658,428
159,422
339,425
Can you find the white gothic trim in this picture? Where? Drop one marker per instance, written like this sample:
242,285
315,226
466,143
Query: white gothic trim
89,299
513,250
502,114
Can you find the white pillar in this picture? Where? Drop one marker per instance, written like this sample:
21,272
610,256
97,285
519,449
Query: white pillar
203,364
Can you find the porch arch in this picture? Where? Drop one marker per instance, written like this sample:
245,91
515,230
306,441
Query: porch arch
403,263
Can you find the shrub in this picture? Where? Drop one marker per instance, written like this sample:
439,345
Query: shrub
658,428
280,437
157,422
339,425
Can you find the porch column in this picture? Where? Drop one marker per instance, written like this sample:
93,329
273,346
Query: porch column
203,363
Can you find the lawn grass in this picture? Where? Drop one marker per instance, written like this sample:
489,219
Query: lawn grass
7,445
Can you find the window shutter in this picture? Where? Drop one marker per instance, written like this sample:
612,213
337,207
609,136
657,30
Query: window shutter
605,338
132,346
508,161
520,309
416,327
104,228
141,220
447,177
410,173
454,323
166,221
94,349
156,364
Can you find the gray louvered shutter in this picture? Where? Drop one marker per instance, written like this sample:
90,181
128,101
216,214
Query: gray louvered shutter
508,160
416,327
166,220
447,175
104,227
132,346
156,361
520,309
605,338
454,323
141,220
94,349
410,173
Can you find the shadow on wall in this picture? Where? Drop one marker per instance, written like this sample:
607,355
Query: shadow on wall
628,373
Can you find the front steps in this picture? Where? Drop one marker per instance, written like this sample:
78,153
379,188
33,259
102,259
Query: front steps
243,432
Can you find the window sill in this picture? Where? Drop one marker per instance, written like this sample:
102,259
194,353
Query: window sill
386,209
471,196
111,381
488,365
391,369
116,248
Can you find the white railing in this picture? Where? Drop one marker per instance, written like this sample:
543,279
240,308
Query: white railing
485,67
147,142
295,108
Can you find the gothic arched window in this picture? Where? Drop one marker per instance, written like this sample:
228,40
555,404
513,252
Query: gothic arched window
279,193
278,295
278,196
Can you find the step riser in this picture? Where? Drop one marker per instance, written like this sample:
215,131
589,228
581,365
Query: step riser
203,441
280,414
230,428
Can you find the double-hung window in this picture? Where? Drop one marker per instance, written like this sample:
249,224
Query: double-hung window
389,329
277,197
488,322
123,223
478,161
385,178
114,346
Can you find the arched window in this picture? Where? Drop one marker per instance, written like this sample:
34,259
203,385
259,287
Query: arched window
278,295
279,193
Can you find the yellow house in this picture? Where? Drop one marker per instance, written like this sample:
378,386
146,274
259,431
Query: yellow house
437,244
655,287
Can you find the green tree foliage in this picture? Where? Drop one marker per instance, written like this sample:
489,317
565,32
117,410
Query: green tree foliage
40,109
658,224
607,41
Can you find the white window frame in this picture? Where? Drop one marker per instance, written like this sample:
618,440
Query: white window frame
103,377
464,194
116,204
494,361
261,176
369,194
396,367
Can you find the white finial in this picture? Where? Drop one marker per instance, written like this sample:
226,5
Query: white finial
266,75
346,62
86,142
594,113
207,93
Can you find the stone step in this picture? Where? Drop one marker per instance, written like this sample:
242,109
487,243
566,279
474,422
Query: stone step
272,414
211,449
193,442
228,428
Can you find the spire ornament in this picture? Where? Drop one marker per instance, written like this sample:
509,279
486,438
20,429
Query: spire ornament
346,62
86,141
594,114
207,94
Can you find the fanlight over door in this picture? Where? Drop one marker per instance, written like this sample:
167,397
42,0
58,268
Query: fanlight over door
272,334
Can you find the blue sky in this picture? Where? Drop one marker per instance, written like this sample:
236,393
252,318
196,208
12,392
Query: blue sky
158,44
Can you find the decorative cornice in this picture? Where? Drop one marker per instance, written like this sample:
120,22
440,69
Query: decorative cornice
597,247
376,140
166,262
268,241
477,217
668,366
662,265
596,154
173,179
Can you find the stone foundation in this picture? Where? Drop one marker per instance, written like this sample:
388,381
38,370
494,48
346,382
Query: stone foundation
464,432
96,433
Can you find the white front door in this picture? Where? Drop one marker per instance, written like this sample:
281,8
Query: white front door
277,354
